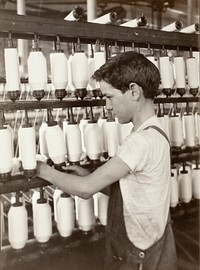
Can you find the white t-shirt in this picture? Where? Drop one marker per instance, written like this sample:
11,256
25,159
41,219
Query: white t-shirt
146,190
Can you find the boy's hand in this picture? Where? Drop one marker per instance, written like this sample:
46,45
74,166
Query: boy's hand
75,169
42,169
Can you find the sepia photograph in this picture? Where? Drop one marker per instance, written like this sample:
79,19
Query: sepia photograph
99,135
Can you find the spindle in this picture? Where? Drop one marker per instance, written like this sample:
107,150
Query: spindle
80,72
102,123
180,73
72,135
59,66
165,73
37,70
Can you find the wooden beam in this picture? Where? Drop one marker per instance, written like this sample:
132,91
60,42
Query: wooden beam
72,102
47,29
50,104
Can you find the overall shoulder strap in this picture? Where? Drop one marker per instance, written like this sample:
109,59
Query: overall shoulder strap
160,131
164,135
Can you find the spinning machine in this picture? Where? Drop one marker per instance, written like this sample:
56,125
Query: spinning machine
57,115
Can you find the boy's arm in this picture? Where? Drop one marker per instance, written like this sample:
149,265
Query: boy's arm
87,185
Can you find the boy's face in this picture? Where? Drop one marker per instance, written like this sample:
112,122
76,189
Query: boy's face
119,102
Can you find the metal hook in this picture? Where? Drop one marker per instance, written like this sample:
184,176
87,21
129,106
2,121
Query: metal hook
177,49
73,48
54,45
149,48
35,42
191,55
163,51
92,50
58,39
78,44
97,45
10,41
58,45
133,46
116,46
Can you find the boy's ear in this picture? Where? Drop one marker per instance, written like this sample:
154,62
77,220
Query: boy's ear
135,91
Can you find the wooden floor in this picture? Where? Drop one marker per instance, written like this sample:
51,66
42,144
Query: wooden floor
90,255
186,227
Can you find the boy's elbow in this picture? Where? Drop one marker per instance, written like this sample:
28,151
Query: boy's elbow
85,191
85,195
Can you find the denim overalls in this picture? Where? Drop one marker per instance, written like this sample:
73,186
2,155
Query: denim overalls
122,254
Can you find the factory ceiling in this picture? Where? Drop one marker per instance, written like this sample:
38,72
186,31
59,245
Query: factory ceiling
126,9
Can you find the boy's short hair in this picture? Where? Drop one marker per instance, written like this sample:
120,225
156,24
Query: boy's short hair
130,67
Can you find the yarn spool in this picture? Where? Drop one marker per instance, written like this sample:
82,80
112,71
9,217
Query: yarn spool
72,136
124,131
166,75
112,130
11,58
138,22
180,72
174,194
42,140
55,142
102,123
37,71
189,126
103,201
86,217
185,186
80,73
82,125
59,66
93,141
6,152
27,151
177,25
192,73
70,86
107,18
42,222
17,224
65,215
176,131
196,182
56,196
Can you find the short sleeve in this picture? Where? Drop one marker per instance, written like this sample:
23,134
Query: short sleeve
134,152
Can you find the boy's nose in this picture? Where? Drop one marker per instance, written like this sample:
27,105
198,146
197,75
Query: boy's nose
108,104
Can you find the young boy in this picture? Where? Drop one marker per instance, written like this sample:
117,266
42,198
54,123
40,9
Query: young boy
139,233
